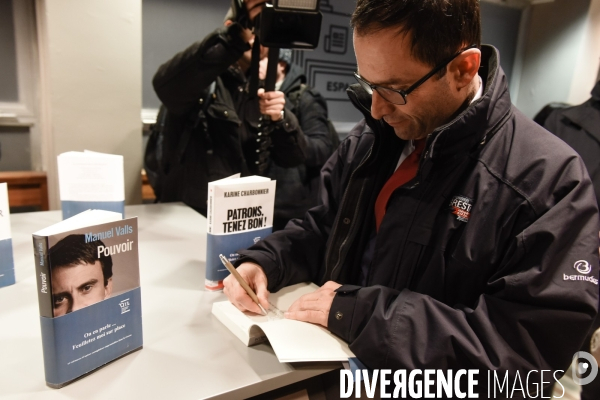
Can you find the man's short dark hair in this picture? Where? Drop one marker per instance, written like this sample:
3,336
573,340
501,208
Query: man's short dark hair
73,250
438,28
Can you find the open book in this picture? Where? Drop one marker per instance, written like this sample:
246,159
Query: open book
292,341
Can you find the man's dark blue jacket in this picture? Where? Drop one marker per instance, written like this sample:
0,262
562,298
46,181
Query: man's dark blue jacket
487,259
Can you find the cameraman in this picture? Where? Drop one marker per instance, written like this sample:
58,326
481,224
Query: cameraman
214,127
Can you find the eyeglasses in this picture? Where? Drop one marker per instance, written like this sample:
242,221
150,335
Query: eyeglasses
399,96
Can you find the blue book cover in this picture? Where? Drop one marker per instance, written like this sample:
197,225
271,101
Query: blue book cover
87,270
7,265
240,213
72,207
228,245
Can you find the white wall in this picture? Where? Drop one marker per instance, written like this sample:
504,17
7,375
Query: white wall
90,89
554,47
588,60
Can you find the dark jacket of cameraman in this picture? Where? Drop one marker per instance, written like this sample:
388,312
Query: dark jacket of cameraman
229,137
487,259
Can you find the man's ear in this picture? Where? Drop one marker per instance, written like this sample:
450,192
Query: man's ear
228,22
108,288
464,67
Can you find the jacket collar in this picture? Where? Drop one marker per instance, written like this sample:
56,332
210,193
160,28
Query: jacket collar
596,91
468,130
586,116
293,79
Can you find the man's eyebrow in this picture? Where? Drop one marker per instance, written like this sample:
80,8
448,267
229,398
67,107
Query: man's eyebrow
389,82
61,294
90,282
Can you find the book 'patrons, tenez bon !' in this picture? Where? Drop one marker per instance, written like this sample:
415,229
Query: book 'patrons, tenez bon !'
240,213
87,272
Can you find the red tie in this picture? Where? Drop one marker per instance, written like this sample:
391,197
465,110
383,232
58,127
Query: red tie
404,173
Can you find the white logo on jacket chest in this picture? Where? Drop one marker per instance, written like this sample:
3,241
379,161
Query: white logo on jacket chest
584,268
461,207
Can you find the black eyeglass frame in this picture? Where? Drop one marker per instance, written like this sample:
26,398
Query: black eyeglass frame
369,87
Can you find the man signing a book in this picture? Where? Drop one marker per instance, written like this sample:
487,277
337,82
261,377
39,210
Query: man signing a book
452,231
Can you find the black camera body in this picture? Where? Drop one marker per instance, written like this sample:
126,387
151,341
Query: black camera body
289,24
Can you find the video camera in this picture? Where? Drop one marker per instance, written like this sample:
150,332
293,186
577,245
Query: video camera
290,24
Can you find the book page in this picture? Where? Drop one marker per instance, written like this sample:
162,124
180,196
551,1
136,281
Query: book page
90,176
296,341
292,341
81,220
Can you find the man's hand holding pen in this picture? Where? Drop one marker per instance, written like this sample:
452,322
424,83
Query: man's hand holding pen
256,279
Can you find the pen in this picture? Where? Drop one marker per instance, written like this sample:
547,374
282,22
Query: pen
242,282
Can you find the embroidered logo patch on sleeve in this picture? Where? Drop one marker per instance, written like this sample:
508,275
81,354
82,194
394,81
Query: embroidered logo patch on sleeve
461,207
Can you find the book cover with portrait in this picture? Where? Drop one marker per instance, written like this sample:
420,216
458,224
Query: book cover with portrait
240,213
7,265
88,282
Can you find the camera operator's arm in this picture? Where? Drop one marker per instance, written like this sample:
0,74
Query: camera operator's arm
289,142
302,136
311,112
181,81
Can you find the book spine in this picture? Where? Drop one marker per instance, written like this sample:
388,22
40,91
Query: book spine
49,351
42,275
211,208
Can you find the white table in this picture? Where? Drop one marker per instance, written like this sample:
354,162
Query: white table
187,353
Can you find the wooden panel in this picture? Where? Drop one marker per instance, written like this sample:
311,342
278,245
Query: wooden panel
26,188
147,191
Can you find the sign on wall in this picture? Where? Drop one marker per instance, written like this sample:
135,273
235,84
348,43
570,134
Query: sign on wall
329,67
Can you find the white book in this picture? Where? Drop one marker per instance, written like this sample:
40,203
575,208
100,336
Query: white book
7,266
90,180
292,341
240,213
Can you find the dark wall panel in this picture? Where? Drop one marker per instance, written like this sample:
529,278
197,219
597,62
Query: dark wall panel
8,57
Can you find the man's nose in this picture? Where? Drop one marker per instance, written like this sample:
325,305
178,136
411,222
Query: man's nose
380,107
77,303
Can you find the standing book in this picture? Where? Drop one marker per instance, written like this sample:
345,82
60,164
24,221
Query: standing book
291,340
90,180
7,266
87,272
240,213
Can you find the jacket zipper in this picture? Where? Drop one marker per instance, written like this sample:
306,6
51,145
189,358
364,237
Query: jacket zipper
491,132
336,222
337,218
